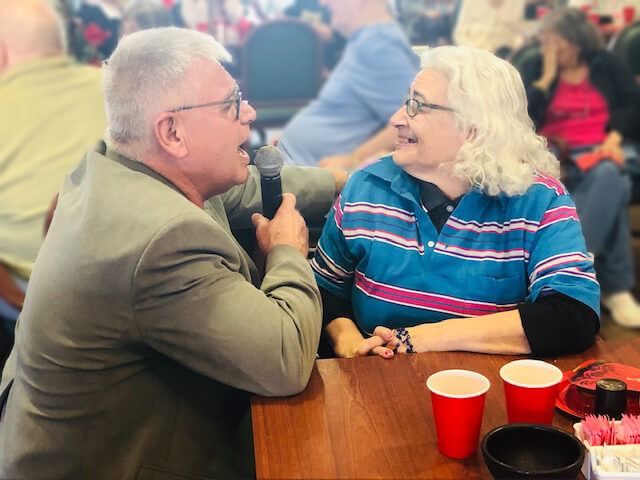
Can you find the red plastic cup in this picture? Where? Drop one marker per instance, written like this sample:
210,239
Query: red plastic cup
457,399
541,11
530,389
628,13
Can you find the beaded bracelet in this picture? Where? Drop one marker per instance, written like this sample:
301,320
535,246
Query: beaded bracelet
403,335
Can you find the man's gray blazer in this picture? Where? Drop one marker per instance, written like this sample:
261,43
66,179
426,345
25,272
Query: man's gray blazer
145,325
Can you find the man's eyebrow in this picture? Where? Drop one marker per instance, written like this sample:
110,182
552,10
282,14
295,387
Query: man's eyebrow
418,94
232,93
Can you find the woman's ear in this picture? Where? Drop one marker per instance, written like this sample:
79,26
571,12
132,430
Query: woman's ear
472,133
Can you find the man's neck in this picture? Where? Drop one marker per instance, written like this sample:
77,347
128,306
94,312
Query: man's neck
14,58
166,168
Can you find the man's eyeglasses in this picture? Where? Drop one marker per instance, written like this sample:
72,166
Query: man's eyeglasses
414,106
237,100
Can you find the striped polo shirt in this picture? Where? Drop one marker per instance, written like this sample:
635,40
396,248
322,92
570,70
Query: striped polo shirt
380,249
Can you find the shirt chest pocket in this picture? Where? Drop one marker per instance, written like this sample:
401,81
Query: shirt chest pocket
494,266
494,289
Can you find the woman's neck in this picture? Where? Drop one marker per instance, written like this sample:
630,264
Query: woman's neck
452,186
574,74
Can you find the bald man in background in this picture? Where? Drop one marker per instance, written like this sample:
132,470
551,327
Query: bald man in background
52,112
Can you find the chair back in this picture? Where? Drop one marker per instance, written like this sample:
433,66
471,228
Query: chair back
525,58
627,47
282,64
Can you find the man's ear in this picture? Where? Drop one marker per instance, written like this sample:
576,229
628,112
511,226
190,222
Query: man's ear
169,135
4,57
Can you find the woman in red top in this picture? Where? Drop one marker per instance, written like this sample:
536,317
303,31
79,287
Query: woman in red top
587,98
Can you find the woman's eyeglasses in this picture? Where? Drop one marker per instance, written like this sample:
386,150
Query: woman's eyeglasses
414,106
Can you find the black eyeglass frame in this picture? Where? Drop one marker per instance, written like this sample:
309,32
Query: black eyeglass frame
421,105
237,99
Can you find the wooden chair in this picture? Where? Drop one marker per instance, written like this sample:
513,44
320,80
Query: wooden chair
13,295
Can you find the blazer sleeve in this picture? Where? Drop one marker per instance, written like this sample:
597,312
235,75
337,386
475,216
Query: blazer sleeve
314,189
193,304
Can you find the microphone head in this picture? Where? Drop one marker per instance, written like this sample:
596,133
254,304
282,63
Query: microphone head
269,161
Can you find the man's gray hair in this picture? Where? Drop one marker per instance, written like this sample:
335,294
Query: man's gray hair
502,152
145,76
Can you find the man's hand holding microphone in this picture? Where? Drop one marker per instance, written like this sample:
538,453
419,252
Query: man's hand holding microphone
281,223
287,228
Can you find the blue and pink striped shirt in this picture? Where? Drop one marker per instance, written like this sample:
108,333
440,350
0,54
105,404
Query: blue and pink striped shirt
380,249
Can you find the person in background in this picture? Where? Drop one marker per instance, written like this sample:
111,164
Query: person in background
348,121
272,8
213,16
52,112
428,22
97,28
610,16
585,98
144,14
319,17
607,7
146,325
494,25
464,238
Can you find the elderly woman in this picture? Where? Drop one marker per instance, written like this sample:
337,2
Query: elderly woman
587,98
463,239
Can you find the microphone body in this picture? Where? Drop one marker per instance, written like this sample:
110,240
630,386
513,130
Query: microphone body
271,195
269,163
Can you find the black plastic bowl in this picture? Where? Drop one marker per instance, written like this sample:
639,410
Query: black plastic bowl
529,450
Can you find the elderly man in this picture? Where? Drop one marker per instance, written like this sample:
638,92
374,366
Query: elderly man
146,325
346,123
51,112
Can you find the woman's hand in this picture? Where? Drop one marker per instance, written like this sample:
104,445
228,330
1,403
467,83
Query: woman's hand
612,146
396,336
348,342
549,51
374,345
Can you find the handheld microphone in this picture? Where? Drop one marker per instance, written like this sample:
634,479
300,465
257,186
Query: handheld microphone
269,163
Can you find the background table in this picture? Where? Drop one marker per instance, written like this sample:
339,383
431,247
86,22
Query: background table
371,418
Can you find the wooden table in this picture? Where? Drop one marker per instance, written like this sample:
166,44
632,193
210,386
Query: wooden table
371,418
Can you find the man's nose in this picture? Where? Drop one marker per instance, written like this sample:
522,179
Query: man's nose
247,113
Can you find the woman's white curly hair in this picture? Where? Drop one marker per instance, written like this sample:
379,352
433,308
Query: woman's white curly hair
502,152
